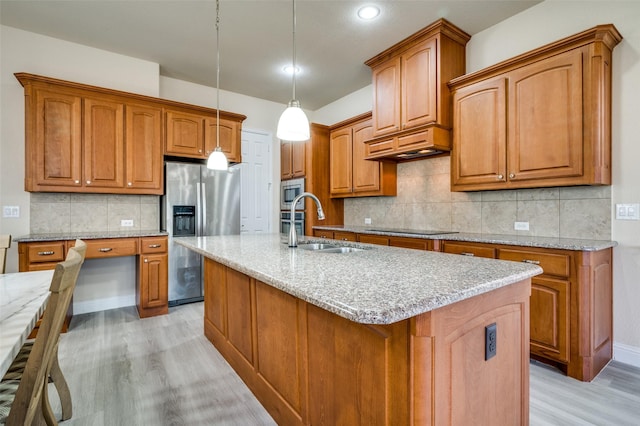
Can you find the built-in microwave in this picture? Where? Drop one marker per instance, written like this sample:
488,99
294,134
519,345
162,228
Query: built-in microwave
289,190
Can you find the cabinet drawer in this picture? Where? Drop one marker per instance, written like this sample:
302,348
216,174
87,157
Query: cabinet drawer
373,239
469,250
412,243
320,233
345,236
416,140
111,247
46,252
381,147
153,245
551,263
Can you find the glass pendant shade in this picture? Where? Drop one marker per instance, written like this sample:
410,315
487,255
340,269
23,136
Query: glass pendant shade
293,125
217,160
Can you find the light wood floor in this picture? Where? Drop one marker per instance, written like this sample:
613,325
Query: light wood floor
163,371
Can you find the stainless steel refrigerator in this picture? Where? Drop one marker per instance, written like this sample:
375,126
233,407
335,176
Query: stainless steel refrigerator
197,202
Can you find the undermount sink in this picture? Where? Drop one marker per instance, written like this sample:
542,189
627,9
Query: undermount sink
328,248
317,246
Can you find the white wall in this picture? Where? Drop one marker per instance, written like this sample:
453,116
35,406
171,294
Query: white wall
21,51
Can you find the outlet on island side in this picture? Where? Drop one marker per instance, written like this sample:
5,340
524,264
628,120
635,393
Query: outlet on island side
490,341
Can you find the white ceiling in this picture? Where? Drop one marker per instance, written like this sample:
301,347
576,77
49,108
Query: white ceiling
255,37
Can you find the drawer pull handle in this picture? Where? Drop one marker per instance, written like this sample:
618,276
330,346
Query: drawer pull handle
46,253
105,249
154,246
533,262
466,253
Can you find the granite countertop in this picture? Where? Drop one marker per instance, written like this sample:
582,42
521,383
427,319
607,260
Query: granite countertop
87,235
379,285
516,240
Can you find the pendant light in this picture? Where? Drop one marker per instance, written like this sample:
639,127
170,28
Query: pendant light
293,125
217,160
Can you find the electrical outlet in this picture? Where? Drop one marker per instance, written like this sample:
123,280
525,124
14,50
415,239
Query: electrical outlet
367,221
490,341
126,222
521,226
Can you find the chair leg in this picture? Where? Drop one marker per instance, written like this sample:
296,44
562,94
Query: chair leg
47,412
61,386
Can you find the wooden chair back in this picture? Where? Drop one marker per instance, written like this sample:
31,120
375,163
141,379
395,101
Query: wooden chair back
5,243
30,403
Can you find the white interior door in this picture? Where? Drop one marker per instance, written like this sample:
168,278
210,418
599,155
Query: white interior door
256,182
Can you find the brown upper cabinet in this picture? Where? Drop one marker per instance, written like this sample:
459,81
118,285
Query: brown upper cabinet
411,101
537,120
191,132
293,158
81,138
350,174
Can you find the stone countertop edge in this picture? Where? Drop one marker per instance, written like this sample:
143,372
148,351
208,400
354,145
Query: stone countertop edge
514,240
379,285
88,235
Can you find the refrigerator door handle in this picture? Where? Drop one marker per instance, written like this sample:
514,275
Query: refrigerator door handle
204,208
199,196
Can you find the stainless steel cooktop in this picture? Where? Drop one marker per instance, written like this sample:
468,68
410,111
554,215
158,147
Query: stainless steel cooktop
411,231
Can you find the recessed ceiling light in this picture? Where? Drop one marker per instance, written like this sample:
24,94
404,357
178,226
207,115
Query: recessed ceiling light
289,69
368,12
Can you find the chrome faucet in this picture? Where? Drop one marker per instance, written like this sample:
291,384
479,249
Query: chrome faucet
293,234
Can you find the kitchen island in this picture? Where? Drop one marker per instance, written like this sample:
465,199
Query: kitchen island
383,335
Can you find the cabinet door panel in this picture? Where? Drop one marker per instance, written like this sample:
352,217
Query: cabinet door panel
386,97
229,138
545,110
103,143
550,318
419,84
58,139
154,281
341,160
479,140
285,160
185,134
298,159
144,147
366,173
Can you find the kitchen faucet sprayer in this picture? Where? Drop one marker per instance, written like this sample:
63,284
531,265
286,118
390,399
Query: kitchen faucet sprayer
293,234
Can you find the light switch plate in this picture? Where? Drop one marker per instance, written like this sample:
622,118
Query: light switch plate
628,211
126,222
11,211
367,221
521,226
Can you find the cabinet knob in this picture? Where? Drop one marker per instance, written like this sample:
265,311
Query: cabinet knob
146,260
88,182
77,182
199,150
129,184
512,175
500,176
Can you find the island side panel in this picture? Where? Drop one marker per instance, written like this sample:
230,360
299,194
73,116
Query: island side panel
466,388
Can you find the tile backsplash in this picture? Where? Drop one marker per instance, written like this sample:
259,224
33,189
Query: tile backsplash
69,213
424,201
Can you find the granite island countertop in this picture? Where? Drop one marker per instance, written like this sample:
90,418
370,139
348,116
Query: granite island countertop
378,285
515,240
29,238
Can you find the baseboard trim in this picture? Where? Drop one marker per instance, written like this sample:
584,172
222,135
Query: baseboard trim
626,354
103,304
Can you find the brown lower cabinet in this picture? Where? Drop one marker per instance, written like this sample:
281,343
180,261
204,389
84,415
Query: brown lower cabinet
571,304
308,366
152,297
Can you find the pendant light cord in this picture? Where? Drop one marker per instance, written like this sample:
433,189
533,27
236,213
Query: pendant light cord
294,71
218,74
